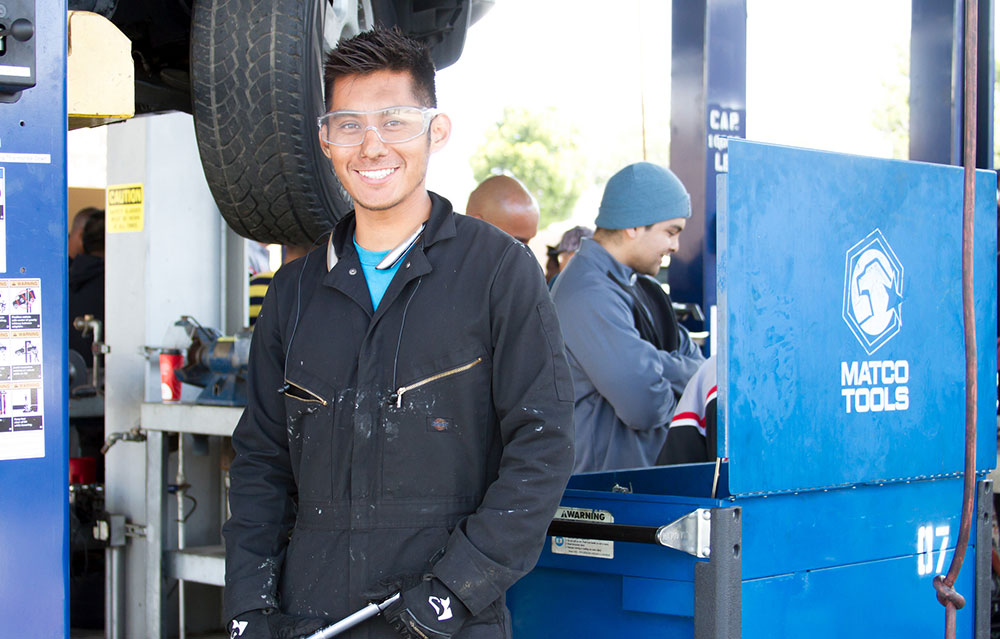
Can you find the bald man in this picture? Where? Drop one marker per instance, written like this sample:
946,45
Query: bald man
505,203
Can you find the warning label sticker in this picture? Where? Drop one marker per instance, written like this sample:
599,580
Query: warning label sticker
3,219
22,434
124,210
584,547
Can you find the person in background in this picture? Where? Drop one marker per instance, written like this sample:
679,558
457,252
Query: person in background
85,296
505,203
630,358
75,245
258,257
260,281
560,254
691,437
86,281
409,421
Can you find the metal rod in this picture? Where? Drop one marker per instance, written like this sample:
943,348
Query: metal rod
95,326
353,619
181,490
606,532
113,592
946,594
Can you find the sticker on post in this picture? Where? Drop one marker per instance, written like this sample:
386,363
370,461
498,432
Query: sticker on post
3,219
584,547
124,208
22,433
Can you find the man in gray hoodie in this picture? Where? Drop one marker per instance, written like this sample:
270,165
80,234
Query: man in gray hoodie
629,357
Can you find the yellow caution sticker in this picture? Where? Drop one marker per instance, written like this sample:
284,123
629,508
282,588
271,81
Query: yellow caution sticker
124,211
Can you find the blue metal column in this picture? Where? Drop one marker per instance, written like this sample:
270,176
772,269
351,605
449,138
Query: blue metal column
936,71
33,452
707,105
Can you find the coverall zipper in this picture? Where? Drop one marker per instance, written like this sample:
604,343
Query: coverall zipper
305,390
398,395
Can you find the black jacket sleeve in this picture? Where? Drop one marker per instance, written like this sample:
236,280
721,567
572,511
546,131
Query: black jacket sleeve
262,495
533,398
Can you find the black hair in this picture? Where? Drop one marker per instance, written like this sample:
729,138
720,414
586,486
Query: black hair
382,49
82,216
93,233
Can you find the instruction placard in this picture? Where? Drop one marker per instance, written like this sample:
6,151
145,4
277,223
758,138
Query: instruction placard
3,219
124,208
584,547
22,433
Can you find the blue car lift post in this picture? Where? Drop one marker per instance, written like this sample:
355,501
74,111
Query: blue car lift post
33,274
841,393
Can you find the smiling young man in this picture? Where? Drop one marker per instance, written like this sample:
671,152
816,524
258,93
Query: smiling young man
409,425
630,358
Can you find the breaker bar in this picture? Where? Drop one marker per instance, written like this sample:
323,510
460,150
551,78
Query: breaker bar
691,533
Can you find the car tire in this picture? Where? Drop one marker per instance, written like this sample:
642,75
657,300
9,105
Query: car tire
257,90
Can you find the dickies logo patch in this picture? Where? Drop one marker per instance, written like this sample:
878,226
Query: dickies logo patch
441,425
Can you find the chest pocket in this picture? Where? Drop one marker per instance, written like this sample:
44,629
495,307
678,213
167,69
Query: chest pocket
311,416
435,431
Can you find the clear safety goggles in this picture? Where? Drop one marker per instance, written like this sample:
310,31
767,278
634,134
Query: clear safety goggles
392,125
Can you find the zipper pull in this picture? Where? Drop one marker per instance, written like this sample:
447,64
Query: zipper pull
397,398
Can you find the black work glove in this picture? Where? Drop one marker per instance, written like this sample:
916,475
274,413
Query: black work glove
271,624
426,610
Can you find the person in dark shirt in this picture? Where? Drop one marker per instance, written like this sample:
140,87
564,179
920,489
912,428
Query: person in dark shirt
86,283
75,242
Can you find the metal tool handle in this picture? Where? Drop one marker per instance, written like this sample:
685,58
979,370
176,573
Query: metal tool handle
605,532
353,619
690,533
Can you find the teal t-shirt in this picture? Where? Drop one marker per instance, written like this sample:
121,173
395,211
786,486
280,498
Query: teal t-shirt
378,281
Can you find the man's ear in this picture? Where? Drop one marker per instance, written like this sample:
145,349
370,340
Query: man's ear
440,131
631,233
323,144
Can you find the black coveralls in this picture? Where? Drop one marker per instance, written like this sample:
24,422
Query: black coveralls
437,427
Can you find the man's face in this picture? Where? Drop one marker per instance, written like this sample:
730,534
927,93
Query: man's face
75,241
651,245
380,176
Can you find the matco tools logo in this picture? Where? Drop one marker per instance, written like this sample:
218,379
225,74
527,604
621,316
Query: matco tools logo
873,286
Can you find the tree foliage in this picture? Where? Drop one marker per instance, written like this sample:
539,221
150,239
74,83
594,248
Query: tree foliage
892,117
538,149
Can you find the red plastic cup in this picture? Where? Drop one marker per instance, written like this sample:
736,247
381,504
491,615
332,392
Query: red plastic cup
170,387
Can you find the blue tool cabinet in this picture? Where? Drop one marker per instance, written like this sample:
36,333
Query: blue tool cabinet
841,414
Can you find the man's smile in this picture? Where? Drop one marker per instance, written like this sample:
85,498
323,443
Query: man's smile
377,174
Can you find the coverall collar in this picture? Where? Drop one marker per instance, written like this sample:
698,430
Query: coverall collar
440,226
344,273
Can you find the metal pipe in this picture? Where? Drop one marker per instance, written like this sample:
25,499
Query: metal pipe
113,591
353,619
946,594
606,532
85,324
181,490
95,326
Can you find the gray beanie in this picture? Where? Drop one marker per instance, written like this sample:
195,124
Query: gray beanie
642,194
